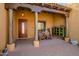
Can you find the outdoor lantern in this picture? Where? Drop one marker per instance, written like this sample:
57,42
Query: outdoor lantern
22,14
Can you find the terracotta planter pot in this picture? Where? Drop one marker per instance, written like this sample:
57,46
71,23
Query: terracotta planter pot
11,47
36,43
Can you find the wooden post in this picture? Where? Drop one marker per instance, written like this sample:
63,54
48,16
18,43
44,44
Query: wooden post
10,44
67,29
10,25
36,41
36,25
67,26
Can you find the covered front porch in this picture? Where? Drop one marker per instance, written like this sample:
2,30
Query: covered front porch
28,16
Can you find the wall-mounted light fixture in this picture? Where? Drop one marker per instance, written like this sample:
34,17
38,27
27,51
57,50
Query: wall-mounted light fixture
22,14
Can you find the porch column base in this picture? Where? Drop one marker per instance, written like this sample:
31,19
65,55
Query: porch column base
11,47
36,43
67,39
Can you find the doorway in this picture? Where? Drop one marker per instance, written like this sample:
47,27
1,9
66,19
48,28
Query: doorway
22,28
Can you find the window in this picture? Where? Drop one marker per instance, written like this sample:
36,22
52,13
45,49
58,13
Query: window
23,28
41,25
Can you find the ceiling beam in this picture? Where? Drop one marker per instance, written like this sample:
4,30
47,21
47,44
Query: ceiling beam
33,7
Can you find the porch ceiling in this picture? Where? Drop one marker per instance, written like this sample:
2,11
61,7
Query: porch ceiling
37,7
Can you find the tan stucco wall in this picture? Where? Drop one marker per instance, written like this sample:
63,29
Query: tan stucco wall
59,20
49,18
3,25
74,24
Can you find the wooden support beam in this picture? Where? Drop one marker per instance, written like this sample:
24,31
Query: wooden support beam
30,6
36,41
10,25
67,25
36,25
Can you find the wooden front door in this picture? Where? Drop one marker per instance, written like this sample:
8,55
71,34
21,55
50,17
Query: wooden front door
22,28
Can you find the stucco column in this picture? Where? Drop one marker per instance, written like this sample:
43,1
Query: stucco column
10,44
10,25
36,41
